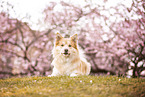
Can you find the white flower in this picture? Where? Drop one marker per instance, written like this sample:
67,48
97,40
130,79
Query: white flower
91,81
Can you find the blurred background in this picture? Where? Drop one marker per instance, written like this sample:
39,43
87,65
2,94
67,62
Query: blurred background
111,32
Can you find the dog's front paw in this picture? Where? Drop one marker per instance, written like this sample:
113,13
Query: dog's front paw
49,76
73,75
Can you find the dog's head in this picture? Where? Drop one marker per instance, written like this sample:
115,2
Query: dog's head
65,46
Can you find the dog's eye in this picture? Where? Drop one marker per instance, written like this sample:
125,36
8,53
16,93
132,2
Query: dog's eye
69,45
62,45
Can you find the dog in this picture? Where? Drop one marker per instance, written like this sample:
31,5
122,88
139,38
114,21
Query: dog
68,58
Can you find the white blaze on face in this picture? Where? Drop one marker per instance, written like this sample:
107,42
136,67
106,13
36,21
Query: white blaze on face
65,48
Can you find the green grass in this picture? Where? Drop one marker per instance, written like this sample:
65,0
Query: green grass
64,86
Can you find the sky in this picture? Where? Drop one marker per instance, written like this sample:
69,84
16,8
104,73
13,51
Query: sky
31,10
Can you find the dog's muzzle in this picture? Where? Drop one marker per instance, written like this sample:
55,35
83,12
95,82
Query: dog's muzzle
66,53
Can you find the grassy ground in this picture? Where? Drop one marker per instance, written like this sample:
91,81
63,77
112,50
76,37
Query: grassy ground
82,86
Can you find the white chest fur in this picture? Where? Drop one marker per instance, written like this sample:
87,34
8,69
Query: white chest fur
65,66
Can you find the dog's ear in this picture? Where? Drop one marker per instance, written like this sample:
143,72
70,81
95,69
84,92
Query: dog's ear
58,37
74,38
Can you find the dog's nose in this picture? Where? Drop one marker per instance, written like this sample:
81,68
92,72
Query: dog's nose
66,50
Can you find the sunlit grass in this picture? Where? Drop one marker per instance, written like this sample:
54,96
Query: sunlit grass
88,86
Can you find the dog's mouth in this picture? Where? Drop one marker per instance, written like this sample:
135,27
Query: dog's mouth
66,54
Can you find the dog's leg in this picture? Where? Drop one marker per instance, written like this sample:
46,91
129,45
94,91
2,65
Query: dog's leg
54,72
74,73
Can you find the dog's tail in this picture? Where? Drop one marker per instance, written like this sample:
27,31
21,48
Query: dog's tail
85,67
